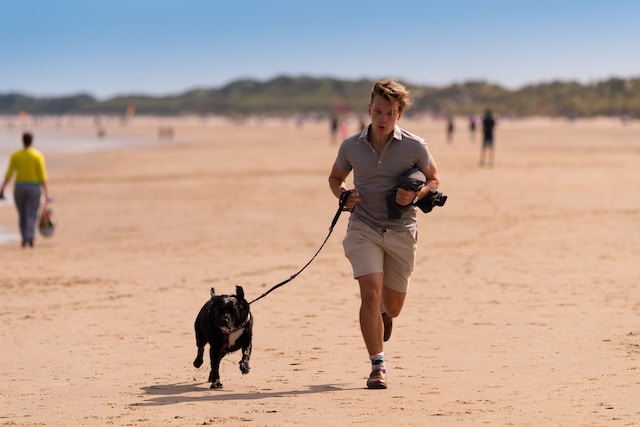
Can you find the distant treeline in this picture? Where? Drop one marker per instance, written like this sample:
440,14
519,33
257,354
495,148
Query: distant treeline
325,96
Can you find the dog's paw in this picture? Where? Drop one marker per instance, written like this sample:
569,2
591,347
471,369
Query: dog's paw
244,367
216,384
198,362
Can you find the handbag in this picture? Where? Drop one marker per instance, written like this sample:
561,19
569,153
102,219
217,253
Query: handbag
47,222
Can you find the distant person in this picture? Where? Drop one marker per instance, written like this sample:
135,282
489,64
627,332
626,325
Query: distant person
334,123
488,128
450,128
472,128
30,171
382,247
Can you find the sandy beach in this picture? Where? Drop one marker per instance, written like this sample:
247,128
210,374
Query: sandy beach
524,309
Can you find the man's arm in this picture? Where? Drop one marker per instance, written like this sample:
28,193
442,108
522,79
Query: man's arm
433,180
338,185
337,181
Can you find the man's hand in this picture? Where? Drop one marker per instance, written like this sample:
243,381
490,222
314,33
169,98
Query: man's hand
352,200
405,197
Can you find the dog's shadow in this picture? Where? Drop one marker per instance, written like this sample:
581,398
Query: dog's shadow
170,394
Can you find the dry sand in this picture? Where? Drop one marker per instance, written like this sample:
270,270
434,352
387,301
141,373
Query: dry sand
524,308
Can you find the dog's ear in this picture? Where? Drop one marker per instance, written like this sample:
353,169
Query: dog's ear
239,292
213,292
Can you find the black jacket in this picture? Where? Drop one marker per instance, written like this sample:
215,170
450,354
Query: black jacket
413,180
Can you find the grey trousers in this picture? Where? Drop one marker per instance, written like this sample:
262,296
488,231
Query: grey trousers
27,200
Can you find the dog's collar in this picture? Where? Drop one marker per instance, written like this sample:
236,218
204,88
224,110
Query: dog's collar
237,328
246,322
226,335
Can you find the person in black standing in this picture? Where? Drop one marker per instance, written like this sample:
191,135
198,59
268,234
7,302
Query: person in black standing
488,127
334,123
472,128
450,128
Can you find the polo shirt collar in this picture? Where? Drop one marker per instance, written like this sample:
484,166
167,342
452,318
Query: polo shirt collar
397,133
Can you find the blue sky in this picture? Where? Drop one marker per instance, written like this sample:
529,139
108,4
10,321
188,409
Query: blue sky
157,47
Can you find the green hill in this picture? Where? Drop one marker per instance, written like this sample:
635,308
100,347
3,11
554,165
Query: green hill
291,95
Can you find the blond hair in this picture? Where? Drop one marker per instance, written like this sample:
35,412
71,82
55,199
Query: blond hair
391,90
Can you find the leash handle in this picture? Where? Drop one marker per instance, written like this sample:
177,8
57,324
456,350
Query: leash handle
343,199
341,207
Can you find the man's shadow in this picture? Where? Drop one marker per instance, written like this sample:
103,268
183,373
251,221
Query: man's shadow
170,394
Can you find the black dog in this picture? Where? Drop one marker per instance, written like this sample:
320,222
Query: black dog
225,323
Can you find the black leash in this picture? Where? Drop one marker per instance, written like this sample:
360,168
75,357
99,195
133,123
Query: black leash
343,200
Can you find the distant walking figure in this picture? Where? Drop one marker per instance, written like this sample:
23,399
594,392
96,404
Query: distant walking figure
30,172
334,123
472,128
488,127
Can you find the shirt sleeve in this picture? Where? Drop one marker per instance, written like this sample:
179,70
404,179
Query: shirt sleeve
41,169
342,159
424,157
11,168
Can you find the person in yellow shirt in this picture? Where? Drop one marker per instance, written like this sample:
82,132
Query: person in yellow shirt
30,172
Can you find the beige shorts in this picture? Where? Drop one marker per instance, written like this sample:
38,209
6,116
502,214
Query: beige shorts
376,251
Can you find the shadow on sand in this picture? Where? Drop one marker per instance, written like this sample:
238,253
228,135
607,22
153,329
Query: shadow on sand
176,393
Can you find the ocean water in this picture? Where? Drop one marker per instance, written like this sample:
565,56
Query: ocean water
7,235
52,140
49,141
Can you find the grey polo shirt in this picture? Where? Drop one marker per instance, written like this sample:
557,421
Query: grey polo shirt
374,176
